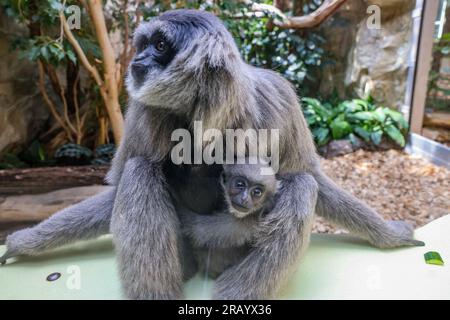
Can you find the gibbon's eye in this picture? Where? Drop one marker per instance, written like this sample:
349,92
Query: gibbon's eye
257,192
161,45
239,183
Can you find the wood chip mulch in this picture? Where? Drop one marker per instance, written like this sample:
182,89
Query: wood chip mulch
399,186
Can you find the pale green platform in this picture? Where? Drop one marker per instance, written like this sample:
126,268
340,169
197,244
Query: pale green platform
334,267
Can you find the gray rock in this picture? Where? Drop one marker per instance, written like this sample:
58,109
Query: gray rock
367,59
22,111
336,148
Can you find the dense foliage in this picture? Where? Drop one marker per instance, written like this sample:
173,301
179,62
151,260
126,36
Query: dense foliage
345,119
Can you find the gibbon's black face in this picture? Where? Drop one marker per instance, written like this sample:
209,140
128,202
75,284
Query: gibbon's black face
245,196
154,51
178,56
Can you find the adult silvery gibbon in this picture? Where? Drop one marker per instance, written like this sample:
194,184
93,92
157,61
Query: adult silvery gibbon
187,67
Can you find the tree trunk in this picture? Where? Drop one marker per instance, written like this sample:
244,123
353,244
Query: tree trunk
40,180
111,77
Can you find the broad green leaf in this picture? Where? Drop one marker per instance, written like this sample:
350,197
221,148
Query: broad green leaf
433,257
379,115
340,128
321,135
376,137
363,133
397,117
350,107
71,56
362,103
45,54
312,102
353,138
395,135
363,116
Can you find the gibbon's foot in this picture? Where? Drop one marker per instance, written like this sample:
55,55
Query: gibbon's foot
8,254
399,234
407,231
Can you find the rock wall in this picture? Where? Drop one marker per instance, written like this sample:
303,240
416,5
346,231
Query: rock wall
368,59
22,110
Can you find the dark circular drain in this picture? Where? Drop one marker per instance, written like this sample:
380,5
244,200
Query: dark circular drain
53,276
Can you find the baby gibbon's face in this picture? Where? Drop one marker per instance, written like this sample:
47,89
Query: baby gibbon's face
244,196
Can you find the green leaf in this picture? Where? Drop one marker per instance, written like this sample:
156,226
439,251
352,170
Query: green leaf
376,137
379,115
317,106
350,107
353,139
363,116
312,102
361,103
363,133
45,54
395,135
33,53
56,5
397,117
340,128
71,56
433,257
321,135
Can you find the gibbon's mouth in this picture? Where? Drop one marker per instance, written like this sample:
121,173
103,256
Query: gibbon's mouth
240,208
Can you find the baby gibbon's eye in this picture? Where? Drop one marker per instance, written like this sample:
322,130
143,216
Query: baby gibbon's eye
257,192
239,183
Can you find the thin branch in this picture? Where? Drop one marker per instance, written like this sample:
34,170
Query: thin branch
311,20
62,94
138,12
79,51
49,102
77,109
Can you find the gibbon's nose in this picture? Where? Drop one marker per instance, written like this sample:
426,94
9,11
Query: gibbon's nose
244,200
139,70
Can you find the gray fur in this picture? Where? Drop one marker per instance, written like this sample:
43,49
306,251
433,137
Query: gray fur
85,220
222,239
283,237
207,80
146,235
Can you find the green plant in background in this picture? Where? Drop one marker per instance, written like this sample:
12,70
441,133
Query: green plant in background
359,117
33,156
77,106
281,50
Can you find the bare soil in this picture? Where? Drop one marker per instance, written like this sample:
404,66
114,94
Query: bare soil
399,186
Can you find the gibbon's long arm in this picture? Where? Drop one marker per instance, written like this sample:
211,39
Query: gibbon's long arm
85,220
284,237
146,234
340,207
218,230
